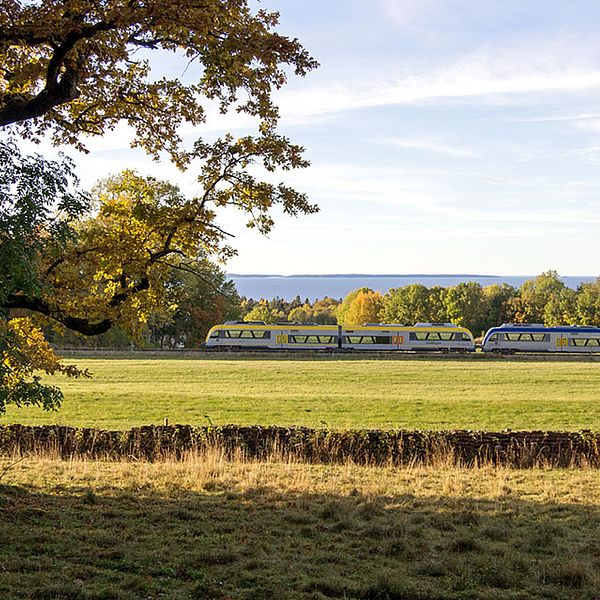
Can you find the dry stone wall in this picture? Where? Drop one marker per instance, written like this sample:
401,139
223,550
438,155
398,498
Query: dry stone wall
395,447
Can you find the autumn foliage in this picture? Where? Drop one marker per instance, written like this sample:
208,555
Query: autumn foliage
76,68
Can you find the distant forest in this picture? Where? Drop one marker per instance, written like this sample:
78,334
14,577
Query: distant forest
200,303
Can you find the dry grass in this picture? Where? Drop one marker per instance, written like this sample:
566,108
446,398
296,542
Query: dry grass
207,527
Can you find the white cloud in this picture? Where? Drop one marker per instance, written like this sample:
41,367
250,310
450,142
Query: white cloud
455,83
495,72
429,144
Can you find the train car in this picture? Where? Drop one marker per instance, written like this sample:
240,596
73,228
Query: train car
445,337
241,335
511,338
257,335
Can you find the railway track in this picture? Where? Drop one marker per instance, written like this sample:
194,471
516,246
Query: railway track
327,355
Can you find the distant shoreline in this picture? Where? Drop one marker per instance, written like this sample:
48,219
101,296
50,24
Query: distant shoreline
337,285
366,275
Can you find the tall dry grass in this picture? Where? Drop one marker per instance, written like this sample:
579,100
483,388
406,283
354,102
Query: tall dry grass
217,468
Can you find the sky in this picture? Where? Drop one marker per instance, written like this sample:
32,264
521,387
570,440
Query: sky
445,136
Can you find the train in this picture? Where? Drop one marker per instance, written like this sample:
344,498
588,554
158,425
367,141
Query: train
421,337
535,337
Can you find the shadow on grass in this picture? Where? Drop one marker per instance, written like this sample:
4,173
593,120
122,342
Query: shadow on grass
75,543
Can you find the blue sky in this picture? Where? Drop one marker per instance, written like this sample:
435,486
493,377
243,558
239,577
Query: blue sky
445,136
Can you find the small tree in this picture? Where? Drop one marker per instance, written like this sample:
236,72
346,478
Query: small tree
364,308
301,314
588,303
407,305
536,293
262,312
344,306
200,296
500,304
466,306
561,308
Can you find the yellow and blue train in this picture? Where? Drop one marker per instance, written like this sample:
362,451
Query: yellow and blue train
440,337
241,335
511,338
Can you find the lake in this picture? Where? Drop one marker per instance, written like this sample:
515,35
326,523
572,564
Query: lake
337,286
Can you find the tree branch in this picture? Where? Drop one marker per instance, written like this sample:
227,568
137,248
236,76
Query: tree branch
59,89
80,325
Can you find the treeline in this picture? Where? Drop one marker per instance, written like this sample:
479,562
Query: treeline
543,299
204,297
323,312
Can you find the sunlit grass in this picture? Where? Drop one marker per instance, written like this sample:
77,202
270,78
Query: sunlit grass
355,393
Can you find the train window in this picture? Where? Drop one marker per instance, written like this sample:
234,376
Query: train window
311,339
250,334
214,334
463,337
368,339
493,337
447,335
246,334
519,337
419,335
526,337
585,342
360,339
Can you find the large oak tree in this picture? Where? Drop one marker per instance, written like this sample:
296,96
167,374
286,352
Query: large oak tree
75,68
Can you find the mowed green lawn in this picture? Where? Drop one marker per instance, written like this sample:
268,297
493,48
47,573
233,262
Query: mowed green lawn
338,393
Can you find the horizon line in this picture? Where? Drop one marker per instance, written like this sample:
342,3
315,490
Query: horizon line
399,275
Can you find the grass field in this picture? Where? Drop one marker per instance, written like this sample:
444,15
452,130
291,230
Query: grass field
208,529
353,392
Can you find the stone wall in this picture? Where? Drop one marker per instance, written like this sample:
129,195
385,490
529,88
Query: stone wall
395,447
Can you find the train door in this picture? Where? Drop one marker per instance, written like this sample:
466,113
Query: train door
562,343
281,339
493,342
397,341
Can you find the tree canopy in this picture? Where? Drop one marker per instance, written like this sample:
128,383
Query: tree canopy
76,68
69,67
